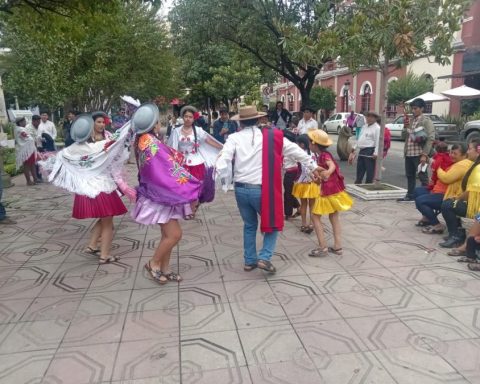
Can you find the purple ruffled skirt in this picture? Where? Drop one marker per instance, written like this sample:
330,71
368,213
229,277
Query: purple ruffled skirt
148,212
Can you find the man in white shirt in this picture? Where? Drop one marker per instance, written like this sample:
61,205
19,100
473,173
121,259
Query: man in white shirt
308,123
366,149
246,147
46,127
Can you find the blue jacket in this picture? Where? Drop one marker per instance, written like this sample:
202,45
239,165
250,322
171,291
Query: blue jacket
217,127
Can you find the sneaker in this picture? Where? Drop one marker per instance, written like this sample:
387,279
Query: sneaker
231,187
405,199
8,221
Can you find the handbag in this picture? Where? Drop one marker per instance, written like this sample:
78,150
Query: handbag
460,208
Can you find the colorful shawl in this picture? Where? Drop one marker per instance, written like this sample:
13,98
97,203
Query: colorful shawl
272,193
161,175
87,168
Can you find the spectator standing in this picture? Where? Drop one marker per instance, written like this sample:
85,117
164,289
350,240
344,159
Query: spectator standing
281,118
367,149
223,126
351,120
120,119
418,144
46,133
307,123
25,150
359,123
67,124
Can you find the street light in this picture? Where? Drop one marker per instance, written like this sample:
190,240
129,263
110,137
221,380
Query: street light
346,88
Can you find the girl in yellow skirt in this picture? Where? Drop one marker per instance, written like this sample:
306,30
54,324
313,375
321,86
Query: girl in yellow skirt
305,189
333,197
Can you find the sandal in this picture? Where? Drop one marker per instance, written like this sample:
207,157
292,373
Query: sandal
108,260
319,252
172,276
465,259
422,223
156,274
249,267
337,251
91,251
433,231
456,252
309,230
266,265
474,267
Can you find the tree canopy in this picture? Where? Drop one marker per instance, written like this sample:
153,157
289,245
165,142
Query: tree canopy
407,87
89,59
322,98
259,29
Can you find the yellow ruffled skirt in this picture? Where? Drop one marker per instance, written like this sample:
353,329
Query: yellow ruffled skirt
306,190
325,205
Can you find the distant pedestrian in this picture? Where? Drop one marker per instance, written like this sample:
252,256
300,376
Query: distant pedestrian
366,149
120,119
223,126
359,123
307,123
25,150
281,118
46,133
67,124
418,145
333,197
351,120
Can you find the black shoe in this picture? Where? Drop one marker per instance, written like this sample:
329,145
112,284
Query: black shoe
445,238
405,199
452,242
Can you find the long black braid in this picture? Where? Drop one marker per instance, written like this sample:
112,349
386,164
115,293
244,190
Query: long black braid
476,144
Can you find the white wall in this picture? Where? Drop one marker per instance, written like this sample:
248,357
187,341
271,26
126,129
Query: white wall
423,66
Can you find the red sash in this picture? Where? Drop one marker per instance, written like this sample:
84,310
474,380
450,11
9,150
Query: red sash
272,193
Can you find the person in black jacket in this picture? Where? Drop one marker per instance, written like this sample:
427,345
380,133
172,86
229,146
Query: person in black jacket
281,118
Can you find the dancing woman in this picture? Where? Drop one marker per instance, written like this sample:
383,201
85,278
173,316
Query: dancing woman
25,150
166,193
200,150
91,168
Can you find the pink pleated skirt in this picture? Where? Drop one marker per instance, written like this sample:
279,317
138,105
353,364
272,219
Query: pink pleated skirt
148,212
104,205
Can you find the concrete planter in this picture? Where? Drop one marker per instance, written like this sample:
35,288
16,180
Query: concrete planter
370,192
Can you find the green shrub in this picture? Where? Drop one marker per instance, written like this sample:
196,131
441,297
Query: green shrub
11,169
459,121
475,116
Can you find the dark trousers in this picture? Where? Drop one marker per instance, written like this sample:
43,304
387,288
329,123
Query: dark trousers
450,217
289,202
411,166
473,248
365,165
428,204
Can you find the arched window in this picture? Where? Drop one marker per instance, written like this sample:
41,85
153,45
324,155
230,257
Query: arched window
366,94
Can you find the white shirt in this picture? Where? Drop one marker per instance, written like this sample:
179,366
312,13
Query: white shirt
305,126
248,155
48,127
369,137
282,124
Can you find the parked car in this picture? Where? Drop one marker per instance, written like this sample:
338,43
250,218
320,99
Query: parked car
336,122
470,130
442,129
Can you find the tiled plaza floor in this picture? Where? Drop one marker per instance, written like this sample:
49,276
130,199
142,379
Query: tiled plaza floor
393,309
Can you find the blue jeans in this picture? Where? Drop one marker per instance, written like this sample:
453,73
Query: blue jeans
249,203
428,204
3,214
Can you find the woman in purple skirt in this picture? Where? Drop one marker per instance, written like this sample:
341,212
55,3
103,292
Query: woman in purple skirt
167,192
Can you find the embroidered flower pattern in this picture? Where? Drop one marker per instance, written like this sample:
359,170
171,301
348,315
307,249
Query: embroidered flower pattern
86,161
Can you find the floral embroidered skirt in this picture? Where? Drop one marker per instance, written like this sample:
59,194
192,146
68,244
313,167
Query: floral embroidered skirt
148,212
104,205
325,205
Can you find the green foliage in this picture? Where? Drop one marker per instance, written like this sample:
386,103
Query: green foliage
406,88
470,107
322,98
459,121
261,29
89,59
475,116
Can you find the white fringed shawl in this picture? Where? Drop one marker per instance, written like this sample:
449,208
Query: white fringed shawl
25,145
87,168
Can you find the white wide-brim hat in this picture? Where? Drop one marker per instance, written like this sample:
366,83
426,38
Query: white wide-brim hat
145,118
82,128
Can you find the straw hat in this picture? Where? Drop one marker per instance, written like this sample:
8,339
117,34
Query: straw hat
248,112
319,137
82,128
145,118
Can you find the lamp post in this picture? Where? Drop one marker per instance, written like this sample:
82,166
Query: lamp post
346,88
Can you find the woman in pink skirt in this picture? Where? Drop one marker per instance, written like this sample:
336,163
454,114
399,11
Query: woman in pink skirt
167,192
91,168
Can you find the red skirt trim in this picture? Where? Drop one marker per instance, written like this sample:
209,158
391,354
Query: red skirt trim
30,160
197,171
104,205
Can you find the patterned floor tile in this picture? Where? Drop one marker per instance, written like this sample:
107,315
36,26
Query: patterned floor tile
25,367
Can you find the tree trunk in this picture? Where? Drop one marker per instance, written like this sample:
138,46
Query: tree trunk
382,112
306,85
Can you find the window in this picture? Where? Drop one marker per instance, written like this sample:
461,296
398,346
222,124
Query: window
428,107
391,110
366,96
